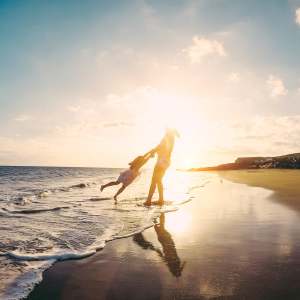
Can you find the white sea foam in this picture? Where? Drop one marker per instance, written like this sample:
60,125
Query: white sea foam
18,279
61,214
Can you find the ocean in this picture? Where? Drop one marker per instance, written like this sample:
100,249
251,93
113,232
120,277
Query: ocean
57,213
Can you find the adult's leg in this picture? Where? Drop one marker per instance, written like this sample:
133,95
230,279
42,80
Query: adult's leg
160,186
152,189
108,184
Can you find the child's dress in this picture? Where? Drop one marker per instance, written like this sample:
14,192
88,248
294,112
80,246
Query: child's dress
127,176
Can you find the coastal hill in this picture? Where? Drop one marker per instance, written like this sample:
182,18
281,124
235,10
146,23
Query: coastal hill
289,161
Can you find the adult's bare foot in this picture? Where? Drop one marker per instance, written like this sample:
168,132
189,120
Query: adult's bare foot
158,202
147,203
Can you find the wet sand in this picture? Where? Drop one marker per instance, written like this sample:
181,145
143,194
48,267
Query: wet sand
238,239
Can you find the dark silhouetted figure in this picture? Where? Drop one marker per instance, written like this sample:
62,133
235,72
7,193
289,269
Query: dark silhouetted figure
164,153
169,253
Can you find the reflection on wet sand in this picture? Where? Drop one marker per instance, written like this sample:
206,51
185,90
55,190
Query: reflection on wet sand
237,241
284,183
169,252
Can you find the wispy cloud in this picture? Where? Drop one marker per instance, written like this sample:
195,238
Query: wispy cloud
117,124
234,77
149,14
74,108
202,47
266,135
22,118
297,16
276,86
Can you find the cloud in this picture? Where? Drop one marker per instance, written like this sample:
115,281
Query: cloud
117,124
276,86
272,135
22,118
297,16
74,108
202,47
191,9
101,56
132,100
257,136
120,112
149,15
234,77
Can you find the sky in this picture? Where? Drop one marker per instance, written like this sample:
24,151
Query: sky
96,83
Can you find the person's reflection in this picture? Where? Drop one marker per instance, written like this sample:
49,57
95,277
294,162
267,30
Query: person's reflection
169,253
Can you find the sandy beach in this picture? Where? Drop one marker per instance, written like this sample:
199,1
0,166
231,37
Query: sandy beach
238,239
149,150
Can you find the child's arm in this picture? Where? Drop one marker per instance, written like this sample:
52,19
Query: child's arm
147,156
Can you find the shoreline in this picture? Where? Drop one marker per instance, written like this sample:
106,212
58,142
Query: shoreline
54,278
232,241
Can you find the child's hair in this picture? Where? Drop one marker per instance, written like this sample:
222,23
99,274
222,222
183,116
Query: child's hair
137,162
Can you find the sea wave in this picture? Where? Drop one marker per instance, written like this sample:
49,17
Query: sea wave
43,222
34,211
30,197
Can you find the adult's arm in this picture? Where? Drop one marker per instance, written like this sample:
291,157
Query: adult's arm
150,153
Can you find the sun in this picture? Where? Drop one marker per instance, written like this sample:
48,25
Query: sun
161,110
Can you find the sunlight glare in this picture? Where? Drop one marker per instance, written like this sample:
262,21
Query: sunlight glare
176,184
179,223
173,111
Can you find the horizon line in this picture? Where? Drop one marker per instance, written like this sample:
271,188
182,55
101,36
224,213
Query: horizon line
47,166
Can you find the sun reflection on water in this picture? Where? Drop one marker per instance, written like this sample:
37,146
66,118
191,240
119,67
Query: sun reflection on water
177,186
179,223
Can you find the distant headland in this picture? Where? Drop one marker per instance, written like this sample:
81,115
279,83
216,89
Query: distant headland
289,161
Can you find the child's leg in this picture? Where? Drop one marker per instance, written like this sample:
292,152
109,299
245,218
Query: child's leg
108,184
123,187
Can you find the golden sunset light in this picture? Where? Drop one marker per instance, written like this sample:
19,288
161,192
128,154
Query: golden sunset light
149,149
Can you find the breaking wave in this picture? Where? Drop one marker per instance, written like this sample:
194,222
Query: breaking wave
52,214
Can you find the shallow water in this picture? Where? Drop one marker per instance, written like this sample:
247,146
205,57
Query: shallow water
50,214
238,239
